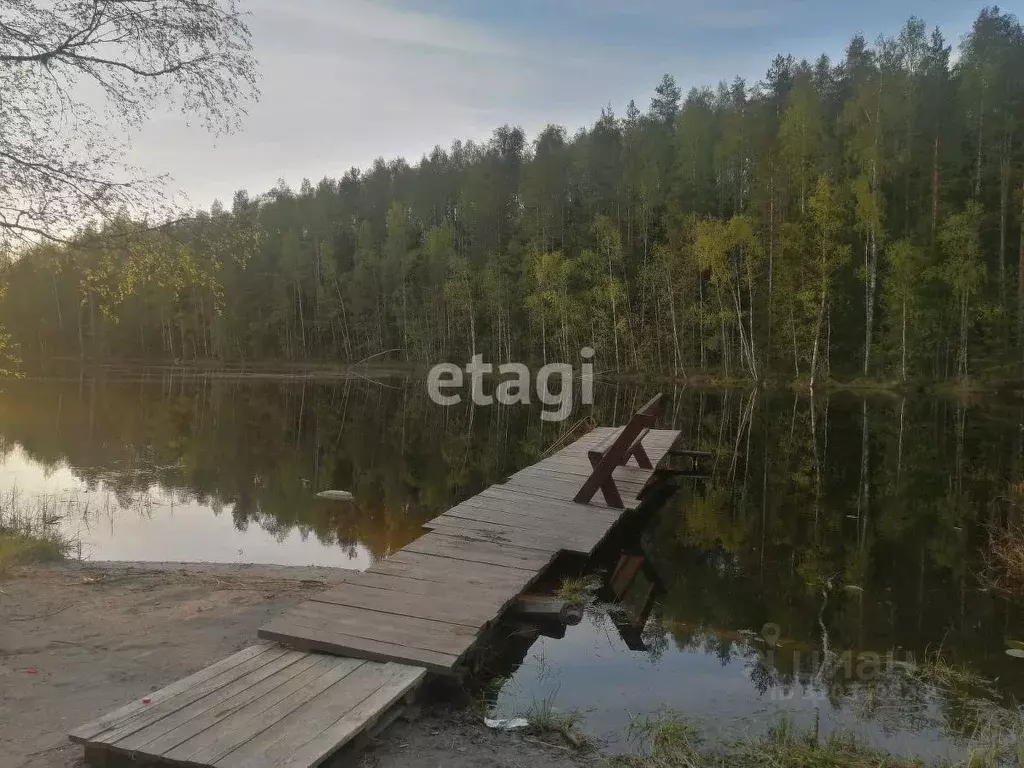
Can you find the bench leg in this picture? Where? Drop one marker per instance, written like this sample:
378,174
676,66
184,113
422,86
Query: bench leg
642,459
611,494
607,487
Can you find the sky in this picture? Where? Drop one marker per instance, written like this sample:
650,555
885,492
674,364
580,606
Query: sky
346,81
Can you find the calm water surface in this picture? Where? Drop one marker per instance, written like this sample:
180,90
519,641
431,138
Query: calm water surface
834,546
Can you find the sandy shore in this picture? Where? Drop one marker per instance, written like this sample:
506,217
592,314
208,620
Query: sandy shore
77,640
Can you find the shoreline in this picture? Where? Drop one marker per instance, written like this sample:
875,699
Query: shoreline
277,370
78,640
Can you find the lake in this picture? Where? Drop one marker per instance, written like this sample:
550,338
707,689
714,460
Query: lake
832,551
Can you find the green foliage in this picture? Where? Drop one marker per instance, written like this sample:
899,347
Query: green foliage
720,233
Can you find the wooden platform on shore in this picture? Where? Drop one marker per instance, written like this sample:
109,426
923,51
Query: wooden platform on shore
428,603
345,659
264,706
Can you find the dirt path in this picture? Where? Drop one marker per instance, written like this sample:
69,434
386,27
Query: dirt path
78,640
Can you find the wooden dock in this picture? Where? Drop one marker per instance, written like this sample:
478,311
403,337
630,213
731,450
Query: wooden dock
344,659
264,706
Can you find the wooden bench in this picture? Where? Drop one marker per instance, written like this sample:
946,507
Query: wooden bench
616,450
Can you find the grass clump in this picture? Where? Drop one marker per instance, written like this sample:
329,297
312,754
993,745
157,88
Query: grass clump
945,673
786,746
546,722
30,534
665,740
1004,555
668,740
579,590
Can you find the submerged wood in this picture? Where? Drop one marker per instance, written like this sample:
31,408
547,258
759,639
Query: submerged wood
335,495
542,607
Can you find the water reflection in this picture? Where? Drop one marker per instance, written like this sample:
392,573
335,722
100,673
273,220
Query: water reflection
831,528
823,570
192,467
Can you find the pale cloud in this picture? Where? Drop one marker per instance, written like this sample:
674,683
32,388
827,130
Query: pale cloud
345,81
696,14
376,21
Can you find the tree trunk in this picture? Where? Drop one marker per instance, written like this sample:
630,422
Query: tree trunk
750,320
796,350
725,338
56,301
700,323
872,282
1004,205
977,164
405,322
935,190
817,335
677,365
771,266
81,334
1020,273
615,319
962,354
903,333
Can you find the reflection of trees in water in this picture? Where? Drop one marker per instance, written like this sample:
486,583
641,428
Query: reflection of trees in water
881,506
263,448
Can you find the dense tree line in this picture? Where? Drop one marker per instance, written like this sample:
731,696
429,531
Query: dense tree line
852,218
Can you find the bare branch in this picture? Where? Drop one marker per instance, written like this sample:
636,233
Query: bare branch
60,160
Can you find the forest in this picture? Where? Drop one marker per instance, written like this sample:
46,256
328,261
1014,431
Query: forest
847,219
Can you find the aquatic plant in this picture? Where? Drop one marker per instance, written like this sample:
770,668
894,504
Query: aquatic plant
1003,570
579,591
663,740
547,721
30,531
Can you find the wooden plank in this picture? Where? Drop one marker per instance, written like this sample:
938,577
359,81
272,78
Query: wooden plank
454,610
466,523
337,642
362,716
311,732
474,550
241,726
573,479
157,721
562,492
659,440
154,711
501,493
455,573
527,558
558,526
90,730
623,473
567,514
498,533
547,608
409,631
563,487
415,586
181,726
575,472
